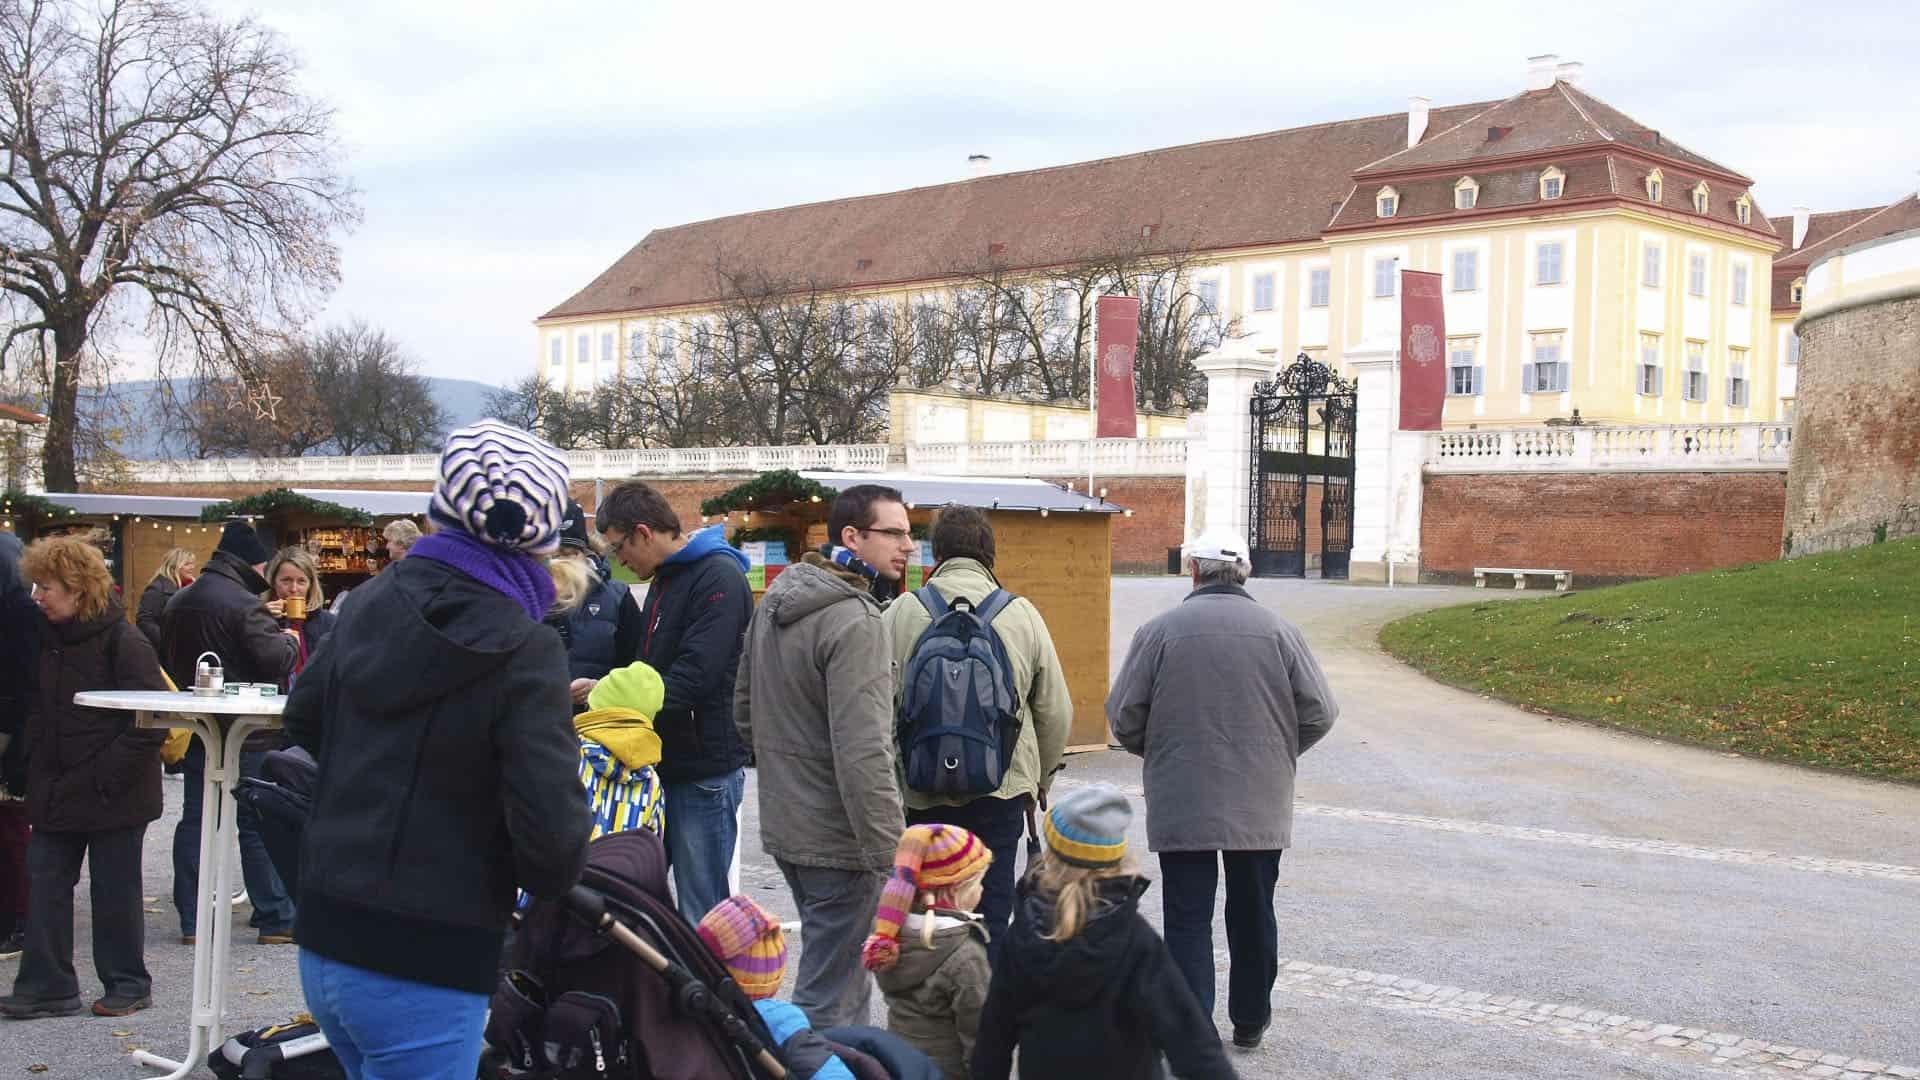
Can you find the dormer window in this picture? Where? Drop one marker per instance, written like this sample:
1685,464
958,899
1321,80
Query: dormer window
1466,194
1744,209
1653,186
1701,195
1387,203
1797,291
1552,183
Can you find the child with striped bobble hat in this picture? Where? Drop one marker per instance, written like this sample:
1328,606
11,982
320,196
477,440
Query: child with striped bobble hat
928,951
752,945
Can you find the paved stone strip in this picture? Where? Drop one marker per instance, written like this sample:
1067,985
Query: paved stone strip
1730,1053
1741,856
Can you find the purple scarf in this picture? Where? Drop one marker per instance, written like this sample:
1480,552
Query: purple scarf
516,575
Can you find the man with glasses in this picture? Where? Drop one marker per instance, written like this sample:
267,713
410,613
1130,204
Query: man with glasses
815,700
696,611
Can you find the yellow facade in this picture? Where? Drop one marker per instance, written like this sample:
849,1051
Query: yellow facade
1606,315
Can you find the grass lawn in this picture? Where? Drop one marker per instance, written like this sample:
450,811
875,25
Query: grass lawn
1815,661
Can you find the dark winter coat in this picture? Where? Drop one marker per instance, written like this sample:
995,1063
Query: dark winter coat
693,624
604,632
153,603
1107,1002
222,612
448,777
91,770
19,662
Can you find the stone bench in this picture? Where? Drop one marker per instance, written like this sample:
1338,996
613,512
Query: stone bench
1562,579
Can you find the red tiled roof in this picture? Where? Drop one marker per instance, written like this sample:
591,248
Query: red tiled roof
1276,187
19,415
1829,232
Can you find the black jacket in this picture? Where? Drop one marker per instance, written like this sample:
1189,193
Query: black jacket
448,777
1107,1002
314,631
153,602
222,612
91,770
19,662
693,624
604,632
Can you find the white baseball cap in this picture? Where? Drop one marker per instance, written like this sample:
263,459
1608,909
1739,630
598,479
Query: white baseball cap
1220,546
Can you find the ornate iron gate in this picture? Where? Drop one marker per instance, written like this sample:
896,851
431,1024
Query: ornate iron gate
1302,421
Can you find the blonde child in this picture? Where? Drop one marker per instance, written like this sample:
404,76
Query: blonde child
1084,987
928,952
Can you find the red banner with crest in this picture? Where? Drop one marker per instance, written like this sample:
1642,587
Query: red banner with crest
1423,351
1116,335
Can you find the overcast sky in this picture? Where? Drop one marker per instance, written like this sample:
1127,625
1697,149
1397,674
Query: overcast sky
508,152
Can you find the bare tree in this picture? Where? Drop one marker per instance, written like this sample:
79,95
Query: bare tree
376,402
294,421
535,405
162,168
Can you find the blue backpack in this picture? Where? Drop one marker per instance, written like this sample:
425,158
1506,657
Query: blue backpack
959,716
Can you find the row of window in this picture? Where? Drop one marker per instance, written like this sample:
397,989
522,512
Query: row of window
1553,182
1548,372
1652,259
1319,290
666,348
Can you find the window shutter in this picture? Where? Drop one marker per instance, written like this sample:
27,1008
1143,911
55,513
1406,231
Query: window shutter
1479,379
1560,373
1526,378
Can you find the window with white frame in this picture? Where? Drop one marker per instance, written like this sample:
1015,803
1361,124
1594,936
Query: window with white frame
1063,307
1552,183
1740,286
1651,379
1319,284
1466,193
606,347
1650,259
1466,270
1654,180
1797,291
1696,275
1547,263
1737,385
1793,347
1386,203
583,349
669,350
1385,274
1744,210
1208,294
1694,386
636,346
554,351
1548,373
1465,376
1702,197
1263,292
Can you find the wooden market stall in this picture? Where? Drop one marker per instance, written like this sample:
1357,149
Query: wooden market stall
134,532
1053,546
341,529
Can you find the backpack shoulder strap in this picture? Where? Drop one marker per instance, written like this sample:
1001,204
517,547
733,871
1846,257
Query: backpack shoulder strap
993,604
931,599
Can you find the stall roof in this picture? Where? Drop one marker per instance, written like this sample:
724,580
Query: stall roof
377,503
993,493
160,506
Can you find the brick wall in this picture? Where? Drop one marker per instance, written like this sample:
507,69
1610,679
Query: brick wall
1600,526
1159,521
1856,438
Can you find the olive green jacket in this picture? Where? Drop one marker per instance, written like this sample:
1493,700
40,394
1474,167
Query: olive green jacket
934,996
1046,704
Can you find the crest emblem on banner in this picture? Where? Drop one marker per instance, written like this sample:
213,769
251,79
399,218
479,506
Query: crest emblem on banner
1118,363
1423,345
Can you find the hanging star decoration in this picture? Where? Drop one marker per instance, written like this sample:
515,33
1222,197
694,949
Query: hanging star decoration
236,392
266,404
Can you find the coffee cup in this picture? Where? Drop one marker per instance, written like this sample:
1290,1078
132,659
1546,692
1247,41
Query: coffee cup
296,608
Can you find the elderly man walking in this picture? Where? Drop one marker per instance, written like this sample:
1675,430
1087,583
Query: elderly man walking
1221,697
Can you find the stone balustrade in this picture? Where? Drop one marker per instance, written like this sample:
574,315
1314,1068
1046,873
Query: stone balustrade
1653,448
586,464
1052,457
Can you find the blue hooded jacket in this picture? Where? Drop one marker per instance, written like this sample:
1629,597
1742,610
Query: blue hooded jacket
694,622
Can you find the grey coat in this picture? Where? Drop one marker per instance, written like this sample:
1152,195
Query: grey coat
814,699
1221,697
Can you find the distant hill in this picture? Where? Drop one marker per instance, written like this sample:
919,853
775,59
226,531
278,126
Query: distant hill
463,399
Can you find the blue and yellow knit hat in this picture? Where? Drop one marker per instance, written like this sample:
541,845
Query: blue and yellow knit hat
1088,827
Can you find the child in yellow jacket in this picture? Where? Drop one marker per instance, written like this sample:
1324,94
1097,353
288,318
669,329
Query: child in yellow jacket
619,749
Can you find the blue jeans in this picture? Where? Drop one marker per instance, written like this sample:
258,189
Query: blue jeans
272,907
383,1027
703,824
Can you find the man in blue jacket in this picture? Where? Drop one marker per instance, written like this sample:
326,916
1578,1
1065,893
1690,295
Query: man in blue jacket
691,629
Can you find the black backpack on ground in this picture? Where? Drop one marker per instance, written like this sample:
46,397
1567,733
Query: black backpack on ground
291,1051
959,711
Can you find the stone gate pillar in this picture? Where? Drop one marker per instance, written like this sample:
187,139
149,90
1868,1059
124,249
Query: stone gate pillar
1387,466
1225,469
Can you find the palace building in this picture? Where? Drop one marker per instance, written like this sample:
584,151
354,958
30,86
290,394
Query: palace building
1591,262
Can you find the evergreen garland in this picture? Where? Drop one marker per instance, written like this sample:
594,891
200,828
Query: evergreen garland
281,501
775,489
25,510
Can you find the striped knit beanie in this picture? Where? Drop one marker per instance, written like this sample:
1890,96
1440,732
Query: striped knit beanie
502,485
929,857
749,943
1088,827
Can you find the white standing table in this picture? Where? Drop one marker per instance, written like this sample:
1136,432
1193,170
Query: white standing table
222,725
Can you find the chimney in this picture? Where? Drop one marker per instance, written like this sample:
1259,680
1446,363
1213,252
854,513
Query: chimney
1541,71
1800,215
979,164
1417,110
1571,72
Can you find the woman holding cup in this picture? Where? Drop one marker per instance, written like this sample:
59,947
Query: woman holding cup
295,598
